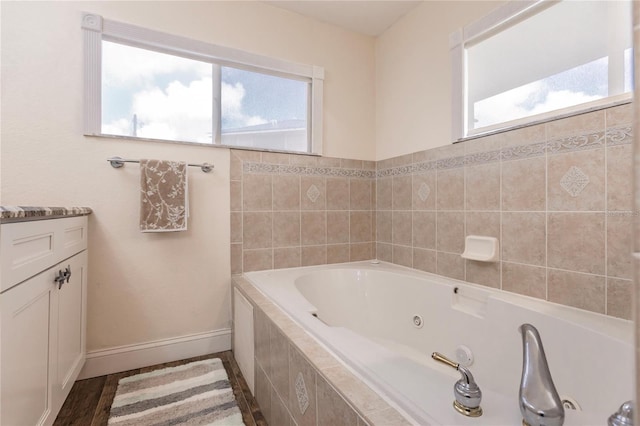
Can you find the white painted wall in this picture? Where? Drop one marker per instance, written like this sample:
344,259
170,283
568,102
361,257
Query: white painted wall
145,287
413,76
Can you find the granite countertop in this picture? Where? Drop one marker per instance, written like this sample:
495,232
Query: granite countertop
24,213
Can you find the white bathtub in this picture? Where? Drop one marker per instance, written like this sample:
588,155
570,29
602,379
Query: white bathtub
365,317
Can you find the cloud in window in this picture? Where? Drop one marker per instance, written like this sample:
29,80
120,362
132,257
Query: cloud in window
524,101
233,114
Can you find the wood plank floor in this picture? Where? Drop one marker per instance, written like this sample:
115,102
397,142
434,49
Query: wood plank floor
89,401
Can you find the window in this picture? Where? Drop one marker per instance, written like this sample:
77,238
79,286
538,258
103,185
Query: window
530,61
149,85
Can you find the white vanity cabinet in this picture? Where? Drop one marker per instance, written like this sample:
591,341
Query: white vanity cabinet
43,277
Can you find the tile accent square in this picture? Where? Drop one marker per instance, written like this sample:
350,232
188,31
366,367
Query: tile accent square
313,193
576,181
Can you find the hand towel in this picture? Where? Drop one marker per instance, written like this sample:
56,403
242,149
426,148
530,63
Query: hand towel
164,201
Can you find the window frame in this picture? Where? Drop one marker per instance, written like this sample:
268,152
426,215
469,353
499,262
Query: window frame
95,29
482,28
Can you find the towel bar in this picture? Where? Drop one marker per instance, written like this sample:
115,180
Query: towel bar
117,162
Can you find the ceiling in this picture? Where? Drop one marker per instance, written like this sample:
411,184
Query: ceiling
370,17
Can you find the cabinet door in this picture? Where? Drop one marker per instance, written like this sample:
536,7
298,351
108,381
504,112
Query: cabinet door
71,317
26,315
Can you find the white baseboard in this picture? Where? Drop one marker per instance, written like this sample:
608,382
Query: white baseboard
123,358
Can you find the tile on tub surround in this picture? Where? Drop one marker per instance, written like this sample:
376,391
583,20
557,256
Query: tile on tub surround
279,364
558,195
582,291
262,340
576,181
263,393
302,389
332,409
279,413
576,242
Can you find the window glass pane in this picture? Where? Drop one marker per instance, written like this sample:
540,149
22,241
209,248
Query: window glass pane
566,54
264,111
148,94
581,84
628,70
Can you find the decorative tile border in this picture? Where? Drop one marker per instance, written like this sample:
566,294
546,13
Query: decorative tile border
612,137
10,213
285,169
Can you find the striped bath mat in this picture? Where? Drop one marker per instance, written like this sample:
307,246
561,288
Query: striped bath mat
197,393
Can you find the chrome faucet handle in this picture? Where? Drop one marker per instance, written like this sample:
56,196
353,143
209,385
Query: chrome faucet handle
540,404
622,417
466,390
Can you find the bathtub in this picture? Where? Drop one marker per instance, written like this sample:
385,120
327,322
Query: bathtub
383,322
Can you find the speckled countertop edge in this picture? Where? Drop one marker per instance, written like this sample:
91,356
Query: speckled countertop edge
23,213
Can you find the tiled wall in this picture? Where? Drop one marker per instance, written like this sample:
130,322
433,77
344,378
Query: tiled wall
636,157
557,196
294,210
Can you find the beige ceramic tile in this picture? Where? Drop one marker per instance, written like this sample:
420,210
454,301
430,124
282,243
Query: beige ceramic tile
286,192
359,394
314,255
256,230
313,193
620,177
422,156
448,151
275,158
524,279
383,226
483,273
525,135
485,224
576,125
450,265
402,160
286,229
337,194
424,229
576,242
619,246
360,229
402,192
257,260
304,160
302,372
361,251
524,184
279,373
279,413
483,144
424,260
360,194
384,252
401,228
328,162
576,181
402,255
314,352
313,227
373,194
450,232
579,290
236,195
236,227
619,298
450,189
332,409
262,340
483,187
256,192
387,416
286,257
368,165
384,188
424,191
346,163
337,227
524,238
236,258
263,394
338,253
236,159
620,115
384,164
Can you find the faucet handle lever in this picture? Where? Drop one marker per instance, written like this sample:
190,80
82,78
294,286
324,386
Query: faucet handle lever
466,390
